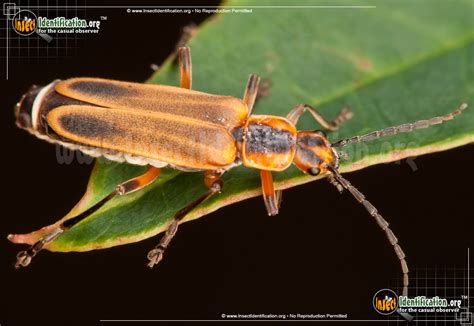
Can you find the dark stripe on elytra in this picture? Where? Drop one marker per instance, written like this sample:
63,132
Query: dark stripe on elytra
102,88
50,102
128,90
147,99
107,89
263,138
88,126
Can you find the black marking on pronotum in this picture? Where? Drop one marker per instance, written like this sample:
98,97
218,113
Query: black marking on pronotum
87,126
101,89
262,138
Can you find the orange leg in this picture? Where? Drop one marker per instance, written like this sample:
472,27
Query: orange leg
271,197
24,257
251,91
185,67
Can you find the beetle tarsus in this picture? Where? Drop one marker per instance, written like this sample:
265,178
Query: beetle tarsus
213,181
187,33
155,256
23,259
345,114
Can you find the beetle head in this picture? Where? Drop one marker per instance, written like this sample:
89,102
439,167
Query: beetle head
314,153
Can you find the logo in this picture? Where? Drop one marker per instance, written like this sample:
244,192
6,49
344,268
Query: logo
24,22
385,302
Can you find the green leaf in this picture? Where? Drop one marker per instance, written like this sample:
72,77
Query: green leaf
398,62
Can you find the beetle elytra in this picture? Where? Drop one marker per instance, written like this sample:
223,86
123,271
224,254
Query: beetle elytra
160,126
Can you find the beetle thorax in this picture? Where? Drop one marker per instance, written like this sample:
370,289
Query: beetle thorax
268,143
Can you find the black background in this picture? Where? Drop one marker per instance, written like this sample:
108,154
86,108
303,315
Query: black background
321,254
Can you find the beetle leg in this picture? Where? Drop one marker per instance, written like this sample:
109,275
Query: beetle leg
24,257
185,67
251,91
344,115
271,197
187,33
214,183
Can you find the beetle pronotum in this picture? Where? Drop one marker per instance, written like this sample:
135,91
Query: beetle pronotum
160,126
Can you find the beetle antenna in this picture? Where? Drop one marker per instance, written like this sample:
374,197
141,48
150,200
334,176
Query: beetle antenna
383,224
406,127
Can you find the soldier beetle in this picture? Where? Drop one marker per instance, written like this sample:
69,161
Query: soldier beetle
160,126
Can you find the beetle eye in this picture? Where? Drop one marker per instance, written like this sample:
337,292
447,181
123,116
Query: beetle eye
322,133
314,171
